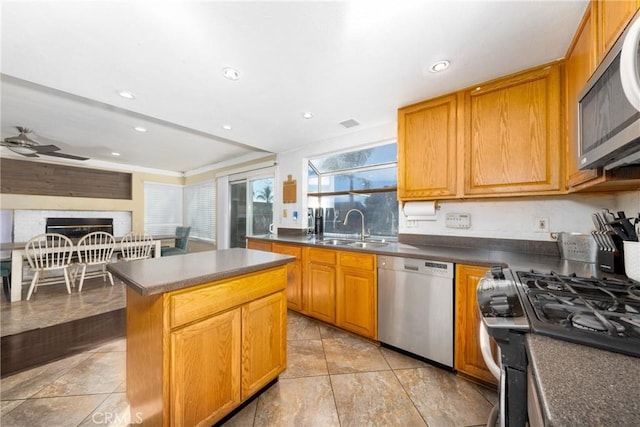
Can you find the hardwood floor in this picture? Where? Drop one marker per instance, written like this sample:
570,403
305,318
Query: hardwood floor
33,348
54,324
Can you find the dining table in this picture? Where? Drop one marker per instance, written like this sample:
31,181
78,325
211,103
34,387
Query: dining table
15,251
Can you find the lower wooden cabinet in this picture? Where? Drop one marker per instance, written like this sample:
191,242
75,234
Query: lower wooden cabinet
195,354
264,342
294,274
341,289
356,294
205,356
320,285
295,297
468,358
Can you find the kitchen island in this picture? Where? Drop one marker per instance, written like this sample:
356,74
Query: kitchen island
205,332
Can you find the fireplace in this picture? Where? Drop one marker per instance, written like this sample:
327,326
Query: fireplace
76,228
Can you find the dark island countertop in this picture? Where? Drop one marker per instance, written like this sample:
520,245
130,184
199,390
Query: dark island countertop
158,275
584,386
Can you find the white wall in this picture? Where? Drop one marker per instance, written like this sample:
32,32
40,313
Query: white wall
516,218
512,218
294,163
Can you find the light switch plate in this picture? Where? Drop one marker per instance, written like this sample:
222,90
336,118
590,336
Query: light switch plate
458,220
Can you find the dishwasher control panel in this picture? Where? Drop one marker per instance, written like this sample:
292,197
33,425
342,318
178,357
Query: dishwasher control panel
415,265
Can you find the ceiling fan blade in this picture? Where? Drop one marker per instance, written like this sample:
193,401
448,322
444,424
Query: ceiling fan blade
64,156
44,149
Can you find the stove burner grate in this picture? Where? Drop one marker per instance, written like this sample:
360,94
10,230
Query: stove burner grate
603,313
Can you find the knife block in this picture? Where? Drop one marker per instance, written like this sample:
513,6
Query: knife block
611,261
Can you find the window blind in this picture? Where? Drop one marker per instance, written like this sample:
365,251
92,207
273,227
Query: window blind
162,208
200,210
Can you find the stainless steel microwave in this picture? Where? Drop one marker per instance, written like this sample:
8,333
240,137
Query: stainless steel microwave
609,107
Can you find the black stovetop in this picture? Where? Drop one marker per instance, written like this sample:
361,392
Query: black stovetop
603,313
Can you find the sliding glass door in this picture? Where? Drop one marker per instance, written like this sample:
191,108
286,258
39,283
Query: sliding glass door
251,209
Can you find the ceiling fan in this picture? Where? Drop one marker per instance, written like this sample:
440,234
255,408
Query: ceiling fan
22,144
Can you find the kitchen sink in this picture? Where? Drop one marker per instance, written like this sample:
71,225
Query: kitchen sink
368,244
353,243
334,242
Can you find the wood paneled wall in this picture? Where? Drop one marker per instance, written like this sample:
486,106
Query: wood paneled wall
46,179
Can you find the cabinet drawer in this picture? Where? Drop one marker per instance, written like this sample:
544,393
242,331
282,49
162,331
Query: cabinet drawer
259,245
322,256
357,260
295,251
192,304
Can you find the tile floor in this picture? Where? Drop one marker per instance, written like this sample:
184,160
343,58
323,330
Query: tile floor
333,379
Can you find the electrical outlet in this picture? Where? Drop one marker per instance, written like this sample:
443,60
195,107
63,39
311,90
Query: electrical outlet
541,225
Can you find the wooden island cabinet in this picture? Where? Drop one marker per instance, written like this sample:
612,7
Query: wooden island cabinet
205,332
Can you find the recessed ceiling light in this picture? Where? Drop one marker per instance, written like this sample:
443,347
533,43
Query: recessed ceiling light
126,94
230,73
140,129
115,154
226,127
307,115
439,66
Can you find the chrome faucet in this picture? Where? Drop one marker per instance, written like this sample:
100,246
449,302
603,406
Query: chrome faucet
361,214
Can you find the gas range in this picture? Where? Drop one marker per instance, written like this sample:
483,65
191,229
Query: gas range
602,313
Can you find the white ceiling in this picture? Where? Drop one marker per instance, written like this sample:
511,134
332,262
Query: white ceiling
63,63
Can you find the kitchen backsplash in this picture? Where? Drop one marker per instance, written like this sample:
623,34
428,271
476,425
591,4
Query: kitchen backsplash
517,219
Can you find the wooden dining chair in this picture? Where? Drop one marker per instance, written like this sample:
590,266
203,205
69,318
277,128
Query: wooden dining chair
136,246
49,252
95,249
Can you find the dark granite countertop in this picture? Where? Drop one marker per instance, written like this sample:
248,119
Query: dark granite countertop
472,254
158,275
584,386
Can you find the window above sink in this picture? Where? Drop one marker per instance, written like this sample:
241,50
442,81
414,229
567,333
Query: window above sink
364,179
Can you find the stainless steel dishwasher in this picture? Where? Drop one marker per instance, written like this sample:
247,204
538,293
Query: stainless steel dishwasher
415,307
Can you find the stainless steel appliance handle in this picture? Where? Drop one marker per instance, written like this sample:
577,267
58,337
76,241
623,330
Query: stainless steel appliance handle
485,347
629,64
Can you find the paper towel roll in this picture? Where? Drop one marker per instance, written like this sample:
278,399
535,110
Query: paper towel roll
420,211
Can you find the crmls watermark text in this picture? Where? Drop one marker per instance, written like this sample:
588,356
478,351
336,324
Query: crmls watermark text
116,418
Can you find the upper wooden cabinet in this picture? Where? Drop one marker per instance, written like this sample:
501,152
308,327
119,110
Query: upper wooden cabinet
500,138
611,19
513,134
601,25
427,145
579,65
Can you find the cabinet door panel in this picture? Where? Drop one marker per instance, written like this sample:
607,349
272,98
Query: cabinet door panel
322,292
264,341
513,142
205,369
613,17
579,65
468,356
356,301
427,147
294,274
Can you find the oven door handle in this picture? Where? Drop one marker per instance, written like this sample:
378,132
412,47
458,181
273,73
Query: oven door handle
485,348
